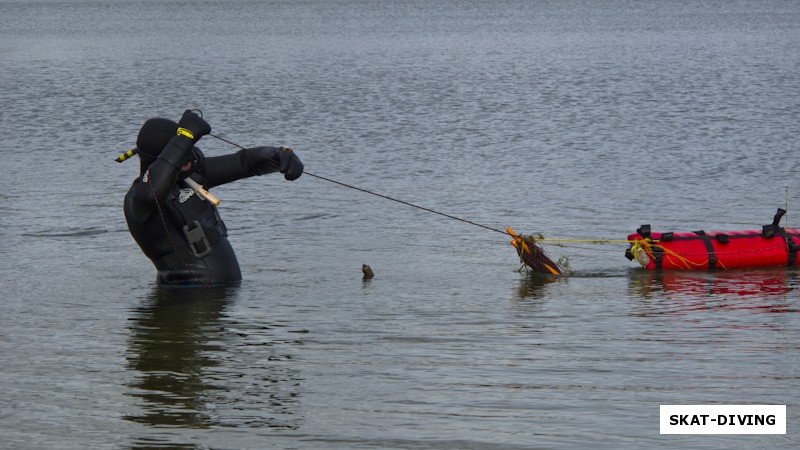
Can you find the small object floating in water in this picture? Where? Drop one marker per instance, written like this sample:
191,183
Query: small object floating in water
368,273
772,246
532,255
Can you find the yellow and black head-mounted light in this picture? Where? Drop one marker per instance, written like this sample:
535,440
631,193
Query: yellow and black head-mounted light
127,155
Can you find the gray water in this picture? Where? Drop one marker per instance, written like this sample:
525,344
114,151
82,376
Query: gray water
575,119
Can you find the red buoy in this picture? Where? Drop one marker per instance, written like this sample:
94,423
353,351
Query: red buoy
770,246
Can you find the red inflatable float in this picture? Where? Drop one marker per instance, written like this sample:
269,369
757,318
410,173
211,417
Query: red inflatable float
773,245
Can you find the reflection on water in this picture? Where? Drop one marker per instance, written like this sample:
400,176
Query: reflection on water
764,290
199,368
173,337
533,285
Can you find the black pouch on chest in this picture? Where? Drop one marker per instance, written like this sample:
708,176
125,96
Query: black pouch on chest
201,225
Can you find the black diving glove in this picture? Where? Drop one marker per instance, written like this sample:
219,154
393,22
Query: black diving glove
290,164
263,160
179,149
193,126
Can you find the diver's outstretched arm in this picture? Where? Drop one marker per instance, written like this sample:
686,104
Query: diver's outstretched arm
251,162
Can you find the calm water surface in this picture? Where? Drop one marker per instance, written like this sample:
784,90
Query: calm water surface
574,119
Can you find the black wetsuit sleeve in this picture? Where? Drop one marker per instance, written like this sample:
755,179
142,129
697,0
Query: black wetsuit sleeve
157,181
242,164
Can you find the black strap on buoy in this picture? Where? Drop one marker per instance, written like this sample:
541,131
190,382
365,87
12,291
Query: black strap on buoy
774,229
658,256
768,231
712,256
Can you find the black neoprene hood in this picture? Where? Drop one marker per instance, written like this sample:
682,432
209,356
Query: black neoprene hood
154,136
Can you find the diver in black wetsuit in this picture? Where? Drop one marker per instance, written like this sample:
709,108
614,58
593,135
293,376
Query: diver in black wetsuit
178,230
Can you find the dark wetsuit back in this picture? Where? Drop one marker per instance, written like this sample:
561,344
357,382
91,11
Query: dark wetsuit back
181,233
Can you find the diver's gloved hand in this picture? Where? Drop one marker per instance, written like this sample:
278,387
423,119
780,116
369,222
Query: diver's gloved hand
290,164
193,126
179,149
263,160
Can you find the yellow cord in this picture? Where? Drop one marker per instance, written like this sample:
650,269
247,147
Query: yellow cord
584,241
647,245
